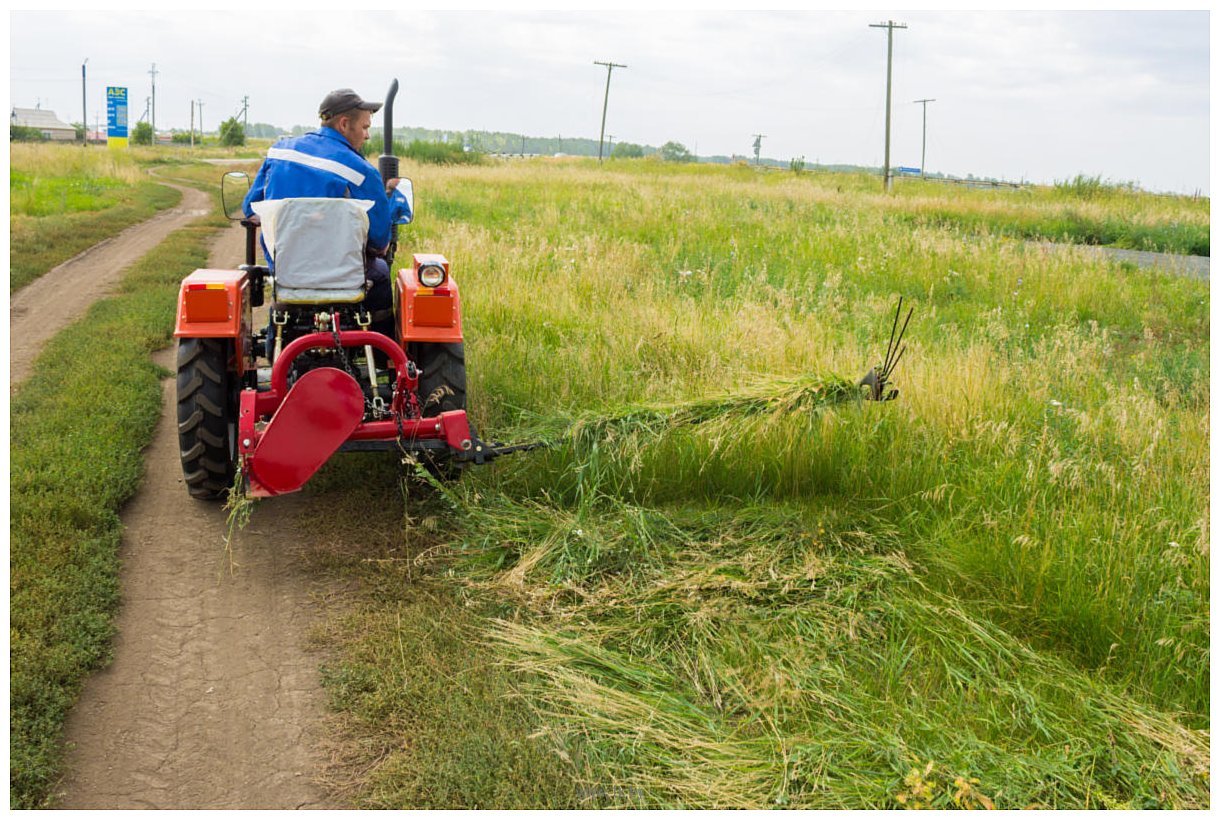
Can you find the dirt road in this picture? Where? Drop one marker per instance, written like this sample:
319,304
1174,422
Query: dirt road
211,700
1196,267
49,303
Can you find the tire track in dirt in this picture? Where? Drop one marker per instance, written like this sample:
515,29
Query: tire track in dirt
211,700
57,298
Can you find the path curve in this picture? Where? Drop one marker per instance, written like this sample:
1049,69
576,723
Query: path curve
1195,267
62,295
212,700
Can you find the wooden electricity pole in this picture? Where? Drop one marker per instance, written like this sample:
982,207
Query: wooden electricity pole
605,103
84,111
153,73
889,73
923,152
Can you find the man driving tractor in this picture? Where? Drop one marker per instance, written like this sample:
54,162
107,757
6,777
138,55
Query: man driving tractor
328,163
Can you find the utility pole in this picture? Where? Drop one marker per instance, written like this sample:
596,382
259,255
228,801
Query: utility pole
84,110
200,104
610,145
605,103
889,73
192,123
923,152
153,73
758,138
245,116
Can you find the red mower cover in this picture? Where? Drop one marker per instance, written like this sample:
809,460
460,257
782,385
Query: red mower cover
320,412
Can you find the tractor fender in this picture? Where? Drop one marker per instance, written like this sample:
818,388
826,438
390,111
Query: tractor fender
215,304
428,314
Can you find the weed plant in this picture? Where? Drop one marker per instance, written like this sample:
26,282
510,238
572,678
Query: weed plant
993,591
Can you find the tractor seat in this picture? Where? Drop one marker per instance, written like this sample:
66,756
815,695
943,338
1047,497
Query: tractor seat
317,247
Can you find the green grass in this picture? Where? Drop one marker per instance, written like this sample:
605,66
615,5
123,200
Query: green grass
423,702
991,590
433,153
727,583
78,426
40,242
65,199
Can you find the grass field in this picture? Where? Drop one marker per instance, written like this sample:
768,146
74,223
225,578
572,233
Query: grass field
993,591
723,585
64,199
77,429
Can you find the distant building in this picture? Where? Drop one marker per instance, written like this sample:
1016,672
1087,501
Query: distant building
44,121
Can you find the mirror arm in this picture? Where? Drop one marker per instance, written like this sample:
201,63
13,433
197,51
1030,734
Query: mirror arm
251,225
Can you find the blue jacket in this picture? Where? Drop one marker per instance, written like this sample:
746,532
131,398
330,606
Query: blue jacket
323,163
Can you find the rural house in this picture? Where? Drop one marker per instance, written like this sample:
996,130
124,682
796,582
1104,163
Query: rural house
44,121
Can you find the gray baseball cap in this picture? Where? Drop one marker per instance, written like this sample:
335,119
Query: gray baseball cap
344,99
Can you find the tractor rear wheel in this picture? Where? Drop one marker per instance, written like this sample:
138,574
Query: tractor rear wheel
207,416
442,382
442,387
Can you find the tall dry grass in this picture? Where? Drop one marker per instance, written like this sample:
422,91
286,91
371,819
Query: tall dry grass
993,590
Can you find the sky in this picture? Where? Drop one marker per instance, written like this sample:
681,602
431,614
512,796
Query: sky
1034,95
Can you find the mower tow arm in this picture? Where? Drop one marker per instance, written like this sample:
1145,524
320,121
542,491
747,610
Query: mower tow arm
483,453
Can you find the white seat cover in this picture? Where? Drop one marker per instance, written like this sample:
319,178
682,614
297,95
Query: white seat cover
316,246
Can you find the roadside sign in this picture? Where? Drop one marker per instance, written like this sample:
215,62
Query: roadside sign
902,169
116,116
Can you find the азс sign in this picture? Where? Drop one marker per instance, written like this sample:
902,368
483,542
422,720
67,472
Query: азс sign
116,117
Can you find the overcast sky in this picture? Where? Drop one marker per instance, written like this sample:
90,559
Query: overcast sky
1034,95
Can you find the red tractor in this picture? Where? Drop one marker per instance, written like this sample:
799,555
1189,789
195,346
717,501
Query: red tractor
276,404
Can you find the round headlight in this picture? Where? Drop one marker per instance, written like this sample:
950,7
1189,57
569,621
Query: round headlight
432,276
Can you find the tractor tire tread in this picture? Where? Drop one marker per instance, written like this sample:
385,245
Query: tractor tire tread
205,430
443,369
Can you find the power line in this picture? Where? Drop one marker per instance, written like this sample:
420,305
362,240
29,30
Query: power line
605,103
889,71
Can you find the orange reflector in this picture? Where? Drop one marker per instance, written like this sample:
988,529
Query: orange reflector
206,304
433,311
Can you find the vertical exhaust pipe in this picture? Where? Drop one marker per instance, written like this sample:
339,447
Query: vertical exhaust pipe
387,163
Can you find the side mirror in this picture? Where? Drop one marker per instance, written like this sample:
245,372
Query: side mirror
404,194
233,189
